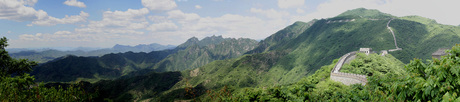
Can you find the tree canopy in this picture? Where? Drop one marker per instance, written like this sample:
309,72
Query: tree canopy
17,85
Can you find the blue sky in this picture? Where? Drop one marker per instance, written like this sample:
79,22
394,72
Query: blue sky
104,23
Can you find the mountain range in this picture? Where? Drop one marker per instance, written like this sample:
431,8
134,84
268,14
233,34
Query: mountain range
284,58
191,54
47,54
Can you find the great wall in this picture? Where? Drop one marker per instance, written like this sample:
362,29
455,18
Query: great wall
350,78
347,78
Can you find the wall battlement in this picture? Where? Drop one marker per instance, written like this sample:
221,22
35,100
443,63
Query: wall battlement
347,78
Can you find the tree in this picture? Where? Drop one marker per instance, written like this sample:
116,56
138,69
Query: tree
9,66
17,85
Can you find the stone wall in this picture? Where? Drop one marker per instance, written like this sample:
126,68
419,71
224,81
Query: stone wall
347,78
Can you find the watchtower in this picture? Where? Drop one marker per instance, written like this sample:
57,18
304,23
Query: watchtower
367,51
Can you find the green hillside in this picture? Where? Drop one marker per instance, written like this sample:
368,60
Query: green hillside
373,64
199,53
110,66
323,41
282,36
291,63
435,80
191,54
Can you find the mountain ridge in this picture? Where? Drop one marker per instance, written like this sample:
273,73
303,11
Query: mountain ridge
204,51
50,54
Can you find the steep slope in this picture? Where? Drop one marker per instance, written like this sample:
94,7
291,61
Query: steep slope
199,53
281,37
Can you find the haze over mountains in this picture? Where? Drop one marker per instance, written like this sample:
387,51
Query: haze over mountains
191,54
46,54
296,52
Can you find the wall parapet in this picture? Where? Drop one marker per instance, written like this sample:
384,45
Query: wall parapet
347,78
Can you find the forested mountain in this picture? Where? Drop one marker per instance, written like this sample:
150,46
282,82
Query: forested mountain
43,56
282,36
109,66
299,50
191,54
199,53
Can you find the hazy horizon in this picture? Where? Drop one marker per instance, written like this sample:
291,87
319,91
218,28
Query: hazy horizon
104,23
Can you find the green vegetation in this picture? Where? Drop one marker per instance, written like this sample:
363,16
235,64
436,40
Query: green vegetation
110,66
366,13
137,87
199,53
373,64
281,37
298,53
17,85
436,80
191,54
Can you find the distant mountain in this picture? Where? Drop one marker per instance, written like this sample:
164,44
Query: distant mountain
191,54
44,55
199,53
109,66
141,47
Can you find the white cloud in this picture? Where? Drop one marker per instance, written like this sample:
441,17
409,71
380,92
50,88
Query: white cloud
300,10
181,16
75,3
271,13
230,25
122,27
165,26
49,21
440,10
159,4
198,7
159,19
121,19
290,3
118,22
17,10
57,36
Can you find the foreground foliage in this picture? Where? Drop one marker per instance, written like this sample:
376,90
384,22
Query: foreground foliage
373,64
22,87
436,80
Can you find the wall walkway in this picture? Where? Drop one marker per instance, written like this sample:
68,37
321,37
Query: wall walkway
347,78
